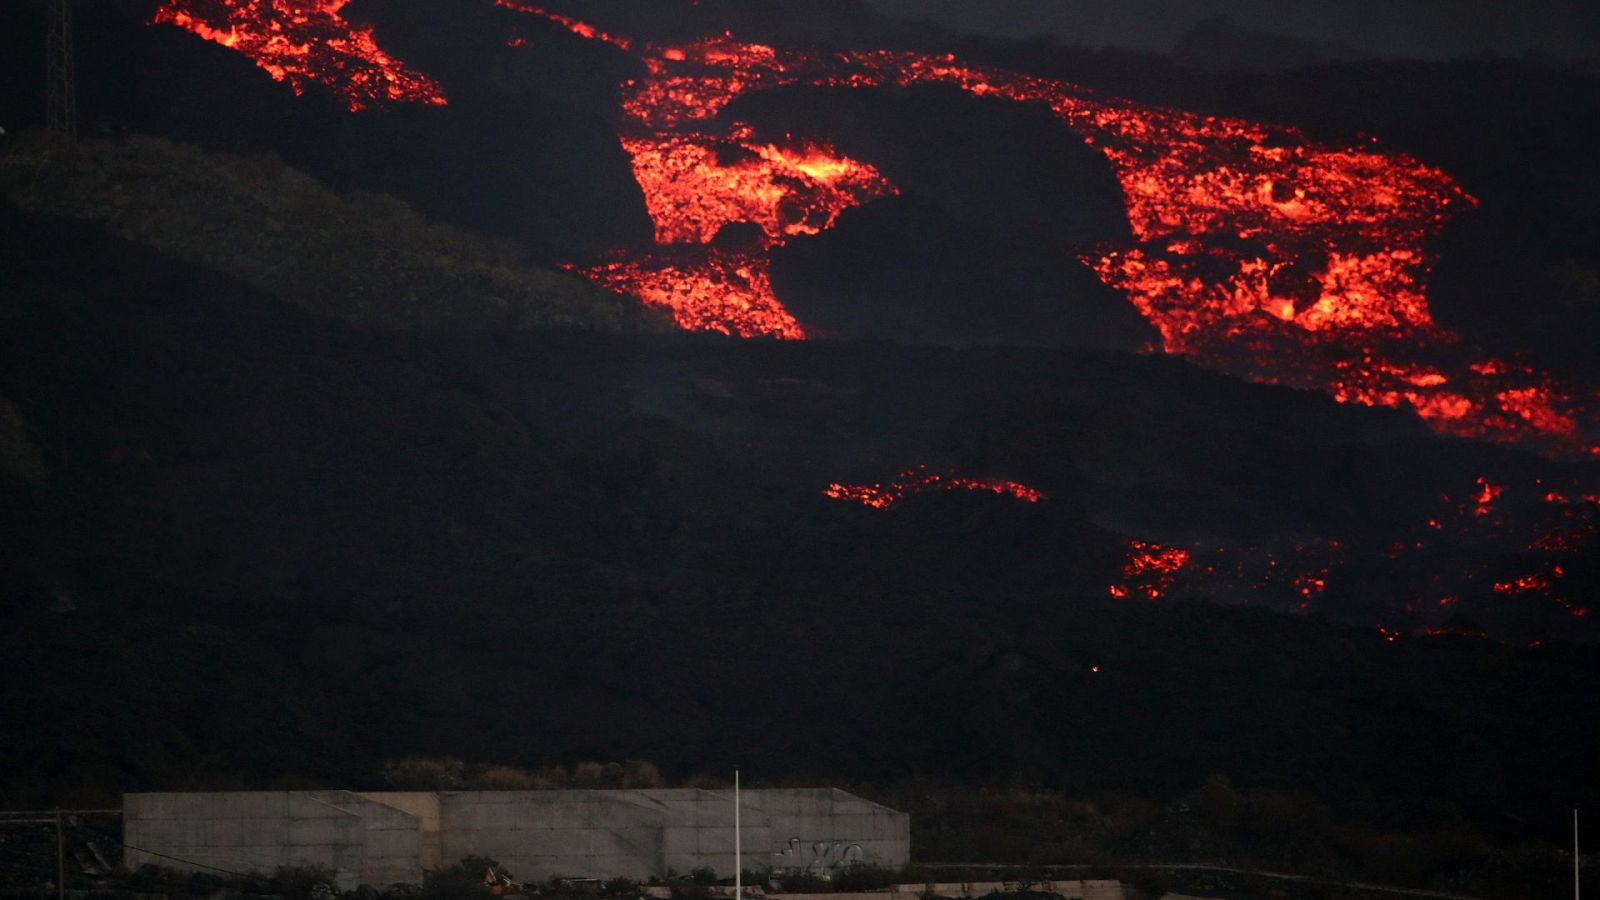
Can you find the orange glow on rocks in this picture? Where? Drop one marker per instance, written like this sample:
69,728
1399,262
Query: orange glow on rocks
1538,407
693,187
705,289
1483,502
922,480
301,41
1538,581
1150,570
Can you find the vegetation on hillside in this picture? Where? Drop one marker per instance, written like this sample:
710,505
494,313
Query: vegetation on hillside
362,257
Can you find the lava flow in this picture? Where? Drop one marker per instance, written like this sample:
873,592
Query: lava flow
1557,533
705,288
921,480
301,41
1256,251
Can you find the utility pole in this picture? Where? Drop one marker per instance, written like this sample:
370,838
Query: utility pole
61,858
1577,860
738,850
61,100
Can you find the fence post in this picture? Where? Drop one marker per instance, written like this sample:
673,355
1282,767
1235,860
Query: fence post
61,858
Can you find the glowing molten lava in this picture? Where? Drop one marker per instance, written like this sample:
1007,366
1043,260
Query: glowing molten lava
1256,251
300,41
706,289
693,188
1150,570
920,480
1253,251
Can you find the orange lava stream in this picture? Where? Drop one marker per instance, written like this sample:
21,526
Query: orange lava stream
920,480
300,41
694,187
705,288
1256,251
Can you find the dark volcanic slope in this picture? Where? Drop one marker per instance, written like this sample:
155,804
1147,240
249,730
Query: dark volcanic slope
243,541
515,162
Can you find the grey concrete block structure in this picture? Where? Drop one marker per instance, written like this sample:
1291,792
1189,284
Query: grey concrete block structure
393,837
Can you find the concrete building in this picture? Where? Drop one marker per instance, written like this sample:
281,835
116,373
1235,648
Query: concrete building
393,837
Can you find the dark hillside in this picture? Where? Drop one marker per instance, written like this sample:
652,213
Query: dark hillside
255,542
363,257
312,457
527,166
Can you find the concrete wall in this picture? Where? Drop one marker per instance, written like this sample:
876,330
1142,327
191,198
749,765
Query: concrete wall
364,842
638,833
1067,890
387,838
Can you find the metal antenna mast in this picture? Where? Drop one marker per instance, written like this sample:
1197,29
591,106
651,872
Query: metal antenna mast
61,118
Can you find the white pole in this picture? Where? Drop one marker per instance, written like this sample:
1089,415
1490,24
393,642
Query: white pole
738,850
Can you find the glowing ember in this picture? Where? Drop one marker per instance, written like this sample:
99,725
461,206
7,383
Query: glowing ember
1540,581
1565,541
1484,501
1311,584
920,480
300,41
1150,570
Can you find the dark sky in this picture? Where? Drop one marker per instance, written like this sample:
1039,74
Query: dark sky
1569,29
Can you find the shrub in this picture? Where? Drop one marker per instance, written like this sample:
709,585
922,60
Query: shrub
300,881
803,882
20,456
857,878
468,879
509,778
425,774
482,868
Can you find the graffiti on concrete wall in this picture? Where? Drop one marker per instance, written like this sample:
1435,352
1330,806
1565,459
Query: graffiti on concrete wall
814,856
